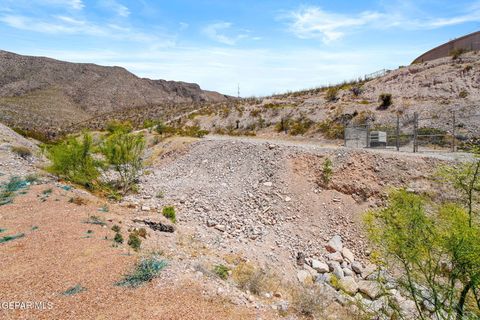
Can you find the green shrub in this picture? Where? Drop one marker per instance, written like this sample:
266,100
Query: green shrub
116,228
116,126
221,271
73,160
456,53
74,290
22,151
331,129
161,127
118,238
327,171
300,126
463,94
192,131
169,213
134,241
123,153
7,190
385,100
145,271
10,238
433,247
95,220
331,95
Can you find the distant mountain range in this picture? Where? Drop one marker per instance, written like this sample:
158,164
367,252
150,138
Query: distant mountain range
38,93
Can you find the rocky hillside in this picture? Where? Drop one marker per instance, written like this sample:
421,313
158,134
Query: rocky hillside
433,89
42,93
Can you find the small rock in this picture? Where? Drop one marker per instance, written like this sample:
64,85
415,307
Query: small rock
349,285
304,276
320,266
323,278
282,306
370,288
347,254
211,223
335,244
145,208
288,199
268,184
220,227
336,256
348,272
357,267
338,271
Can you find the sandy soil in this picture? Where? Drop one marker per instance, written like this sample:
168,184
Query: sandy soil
56,254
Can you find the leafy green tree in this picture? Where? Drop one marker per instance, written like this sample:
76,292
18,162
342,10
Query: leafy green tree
72,159
123,153
437,250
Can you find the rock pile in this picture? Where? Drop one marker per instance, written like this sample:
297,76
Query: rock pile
355,282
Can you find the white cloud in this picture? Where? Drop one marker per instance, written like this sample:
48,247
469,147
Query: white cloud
313,22
183,26
118,8
316,23
71,26
217,32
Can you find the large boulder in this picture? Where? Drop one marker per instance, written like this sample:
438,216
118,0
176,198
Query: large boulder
370,288
321,267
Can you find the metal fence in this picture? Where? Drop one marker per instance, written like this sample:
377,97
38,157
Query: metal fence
416,134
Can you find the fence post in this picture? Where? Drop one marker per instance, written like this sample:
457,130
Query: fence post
368,134
415,128
397,133
454,146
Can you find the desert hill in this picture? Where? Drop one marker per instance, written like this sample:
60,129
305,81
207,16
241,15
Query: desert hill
42,93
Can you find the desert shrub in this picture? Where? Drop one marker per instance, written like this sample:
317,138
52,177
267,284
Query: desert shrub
142,232
432,136
28,133
169,213
456,53
356,90
22,151
118,238
116,228
331,95
95,220
436,249
327,171
10,238
74,290
331,129
463,94
250,278
385,100
116,126
72,159
8,189
308,301
300,126
283,125
192,131
161,127
221,271
145,271
123,153
79,201
255,113
134,241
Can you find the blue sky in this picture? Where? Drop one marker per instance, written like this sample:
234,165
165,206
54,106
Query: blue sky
265,46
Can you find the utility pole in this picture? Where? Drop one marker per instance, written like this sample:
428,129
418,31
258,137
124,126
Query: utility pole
238,91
